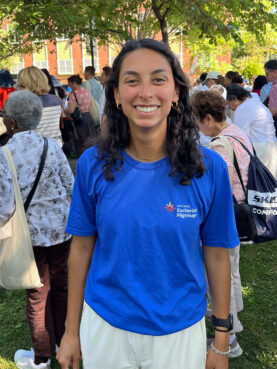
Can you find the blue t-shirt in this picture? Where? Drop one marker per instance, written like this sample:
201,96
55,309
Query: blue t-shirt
147,273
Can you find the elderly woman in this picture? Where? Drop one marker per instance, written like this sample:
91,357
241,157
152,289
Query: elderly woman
221,91
210,109
34,80
214,78
256,121
46,216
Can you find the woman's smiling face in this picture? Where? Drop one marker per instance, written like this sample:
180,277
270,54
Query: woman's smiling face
146,88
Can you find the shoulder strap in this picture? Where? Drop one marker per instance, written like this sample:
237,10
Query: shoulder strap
41,165
61,105
75,97
245,148
12,168
223,141
236,165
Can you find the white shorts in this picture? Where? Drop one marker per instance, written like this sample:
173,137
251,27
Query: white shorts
106,347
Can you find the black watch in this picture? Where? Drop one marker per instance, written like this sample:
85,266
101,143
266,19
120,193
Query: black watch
226,323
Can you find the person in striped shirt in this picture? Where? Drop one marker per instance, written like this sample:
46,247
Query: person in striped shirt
34,80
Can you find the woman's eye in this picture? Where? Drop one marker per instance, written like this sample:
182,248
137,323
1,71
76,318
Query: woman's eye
159,80
131,81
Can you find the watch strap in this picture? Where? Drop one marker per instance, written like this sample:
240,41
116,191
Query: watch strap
226,323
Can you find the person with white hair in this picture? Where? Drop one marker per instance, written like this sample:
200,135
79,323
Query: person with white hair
221,90
46,217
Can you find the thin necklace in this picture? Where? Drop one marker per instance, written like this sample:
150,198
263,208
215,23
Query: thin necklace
144,159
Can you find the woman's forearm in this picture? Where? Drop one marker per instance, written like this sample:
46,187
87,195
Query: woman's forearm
79,262
217,262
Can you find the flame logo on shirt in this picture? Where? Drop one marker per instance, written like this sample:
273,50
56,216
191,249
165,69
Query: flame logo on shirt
169,207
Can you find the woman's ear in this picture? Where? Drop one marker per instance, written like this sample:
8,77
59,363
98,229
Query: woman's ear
13,124
176,94
10,125
208,120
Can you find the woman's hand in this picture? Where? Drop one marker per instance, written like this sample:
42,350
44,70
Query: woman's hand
216,361
69,354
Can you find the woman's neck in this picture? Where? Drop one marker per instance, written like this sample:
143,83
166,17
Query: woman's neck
147,147
219,127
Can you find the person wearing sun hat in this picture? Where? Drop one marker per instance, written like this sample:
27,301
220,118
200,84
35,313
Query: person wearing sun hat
214,78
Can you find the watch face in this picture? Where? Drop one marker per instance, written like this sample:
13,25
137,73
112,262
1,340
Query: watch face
231,321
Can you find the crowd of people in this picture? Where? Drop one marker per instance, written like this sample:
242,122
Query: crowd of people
129,253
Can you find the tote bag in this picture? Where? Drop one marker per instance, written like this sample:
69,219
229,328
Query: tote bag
94,105
261,198
18,269
94,110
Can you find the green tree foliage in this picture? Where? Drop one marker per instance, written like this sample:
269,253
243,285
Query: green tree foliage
211,21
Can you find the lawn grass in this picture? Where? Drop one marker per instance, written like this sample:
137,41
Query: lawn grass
259,317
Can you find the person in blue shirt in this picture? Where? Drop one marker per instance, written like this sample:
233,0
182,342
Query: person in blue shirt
151,209
265,90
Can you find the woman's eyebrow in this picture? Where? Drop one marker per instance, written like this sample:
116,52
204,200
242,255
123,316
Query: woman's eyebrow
131,72
156,71
159,71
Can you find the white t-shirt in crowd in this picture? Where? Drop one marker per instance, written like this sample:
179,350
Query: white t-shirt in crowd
255,120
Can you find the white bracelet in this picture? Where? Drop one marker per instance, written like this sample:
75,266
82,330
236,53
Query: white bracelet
224,353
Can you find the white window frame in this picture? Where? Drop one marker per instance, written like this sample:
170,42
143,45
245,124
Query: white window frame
39,64
87,61
14,41
110,56
17,68
60,69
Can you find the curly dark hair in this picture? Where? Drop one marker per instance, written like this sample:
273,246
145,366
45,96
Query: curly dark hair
75,78
208,102
182,132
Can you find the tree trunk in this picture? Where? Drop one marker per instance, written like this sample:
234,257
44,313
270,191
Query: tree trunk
161,19
91,50
164,31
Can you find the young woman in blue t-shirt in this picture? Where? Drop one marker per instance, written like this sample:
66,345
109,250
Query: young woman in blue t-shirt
146,197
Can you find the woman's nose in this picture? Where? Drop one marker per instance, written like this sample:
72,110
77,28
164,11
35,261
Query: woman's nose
145,90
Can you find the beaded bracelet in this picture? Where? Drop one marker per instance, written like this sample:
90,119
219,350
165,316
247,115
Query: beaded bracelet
224,353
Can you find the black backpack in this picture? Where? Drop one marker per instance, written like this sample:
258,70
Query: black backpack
261,197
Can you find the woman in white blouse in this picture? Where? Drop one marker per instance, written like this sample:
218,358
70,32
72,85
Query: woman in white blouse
255,119
46,216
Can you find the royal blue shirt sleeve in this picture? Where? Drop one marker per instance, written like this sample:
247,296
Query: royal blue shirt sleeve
219,226
81,219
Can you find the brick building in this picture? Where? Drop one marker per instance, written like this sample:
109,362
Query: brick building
64,58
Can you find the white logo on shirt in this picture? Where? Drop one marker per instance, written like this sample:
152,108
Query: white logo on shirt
185,211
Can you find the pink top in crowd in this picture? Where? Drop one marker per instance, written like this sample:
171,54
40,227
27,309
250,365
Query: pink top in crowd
241,155
83,97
